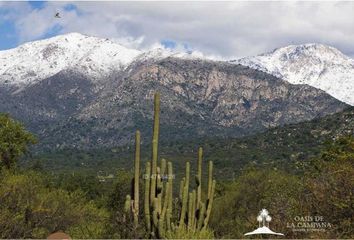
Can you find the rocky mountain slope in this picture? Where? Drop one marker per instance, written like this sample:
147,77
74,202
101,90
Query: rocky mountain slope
96,94
317,65
283,147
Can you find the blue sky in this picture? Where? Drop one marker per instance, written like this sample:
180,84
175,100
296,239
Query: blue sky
10,37
9,32
37,4
220,30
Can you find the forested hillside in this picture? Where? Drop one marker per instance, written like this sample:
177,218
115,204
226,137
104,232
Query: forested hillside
285,147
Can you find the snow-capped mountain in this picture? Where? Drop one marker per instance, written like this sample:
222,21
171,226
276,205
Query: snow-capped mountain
317,65
79,91
92,56
37,60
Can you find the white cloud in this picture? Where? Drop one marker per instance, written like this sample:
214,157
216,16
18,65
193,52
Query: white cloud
226,29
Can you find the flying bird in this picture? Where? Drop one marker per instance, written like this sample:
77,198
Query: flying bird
57,15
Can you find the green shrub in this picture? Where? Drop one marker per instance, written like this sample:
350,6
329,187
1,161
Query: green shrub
183,233
31,209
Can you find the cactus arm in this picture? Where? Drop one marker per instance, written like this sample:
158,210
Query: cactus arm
181,189
147,196
210,204
170,196
136,178
167,189
190,211
155,213
199,177
210,178
165,201
163,169
193,208
201,216
185,196
159,189
159,203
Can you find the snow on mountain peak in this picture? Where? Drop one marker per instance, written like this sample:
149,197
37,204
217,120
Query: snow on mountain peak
37,60
161,53
93,56
319,52
317,65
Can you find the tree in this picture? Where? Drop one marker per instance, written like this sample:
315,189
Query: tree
330,184
30,208
236,210
14,141
325,189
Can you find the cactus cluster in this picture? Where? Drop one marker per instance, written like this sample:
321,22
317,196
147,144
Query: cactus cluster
163,212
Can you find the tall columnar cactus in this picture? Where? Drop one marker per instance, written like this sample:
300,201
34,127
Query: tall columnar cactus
155,142
170,197
136,178
199,177
193,213
184,198
147,197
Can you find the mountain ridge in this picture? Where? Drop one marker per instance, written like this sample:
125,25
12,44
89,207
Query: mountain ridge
200,98
317,65
97,57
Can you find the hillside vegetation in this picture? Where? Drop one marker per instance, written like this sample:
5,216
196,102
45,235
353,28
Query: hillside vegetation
35,203
287,147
